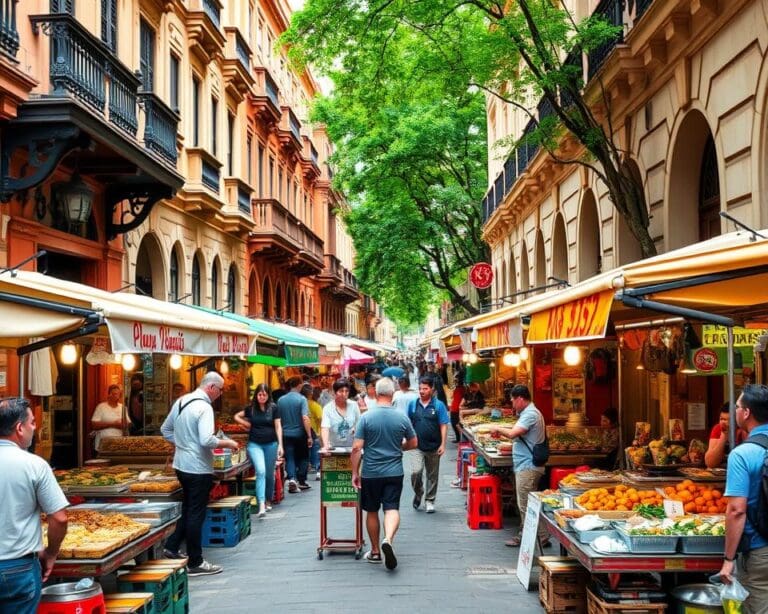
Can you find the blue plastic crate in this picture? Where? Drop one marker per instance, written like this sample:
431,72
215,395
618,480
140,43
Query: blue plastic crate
220,536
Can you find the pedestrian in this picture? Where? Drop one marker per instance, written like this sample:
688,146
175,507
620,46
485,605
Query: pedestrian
110,417
297,434
315,422
380,439
430,420
437,382
327,395
719,446
27,489
743,483
368,400
136,405
340,419
404,395
529,430
265,437
177,390
190,428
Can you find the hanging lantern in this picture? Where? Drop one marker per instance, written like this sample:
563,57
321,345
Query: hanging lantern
175,362
572,355
524,353
68,354
129,362
223,367
473,358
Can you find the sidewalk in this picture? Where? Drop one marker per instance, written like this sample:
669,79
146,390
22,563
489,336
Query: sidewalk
442,564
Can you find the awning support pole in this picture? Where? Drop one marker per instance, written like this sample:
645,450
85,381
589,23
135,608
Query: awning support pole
88,329
731,391
692,314
28,301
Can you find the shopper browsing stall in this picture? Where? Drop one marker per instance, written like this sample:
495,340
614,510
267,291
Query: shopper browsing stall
718,448
315,419
340,418
265,436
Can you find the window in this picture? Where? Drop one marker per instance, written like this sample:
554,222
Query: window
196,281
271,177
260,170
173,295
195,111
230,144
231,283
173,77
214,116
63,6
109,23
249,154
280,184
215,286
147,56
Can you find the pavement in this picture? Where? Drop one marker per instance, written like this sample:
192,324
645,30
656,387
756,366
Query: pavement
442,564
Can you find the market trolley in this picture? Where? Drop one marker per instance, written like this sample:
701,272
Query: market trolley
336,490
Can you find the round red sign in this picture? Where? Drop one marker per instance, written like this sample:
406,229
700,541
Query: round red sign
481,275
705,360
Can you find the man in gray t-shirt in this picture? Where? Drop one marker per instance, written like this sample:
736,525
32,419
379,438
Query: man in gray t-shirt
297,434
384,433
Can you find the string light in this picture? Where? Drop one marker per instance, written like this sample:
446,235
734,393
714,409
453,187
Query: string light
473,358
224,367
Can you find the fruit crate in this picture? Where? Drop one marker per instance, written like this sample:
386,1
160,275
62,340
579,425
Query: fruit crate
159,582
595,605
562,585
179,580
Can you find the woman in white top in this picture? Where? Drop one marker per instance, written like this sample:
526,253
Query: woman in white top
340,417
109,418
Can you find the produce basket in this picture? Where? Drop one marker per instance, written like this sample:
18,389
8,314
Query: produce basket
648,544
702,544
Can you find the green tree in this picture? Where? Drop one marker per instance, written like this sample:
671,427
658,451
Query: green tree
513,50
411,159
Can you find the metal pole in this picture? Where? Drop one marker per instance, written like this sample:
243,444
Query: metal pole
22,361
619,397
731,391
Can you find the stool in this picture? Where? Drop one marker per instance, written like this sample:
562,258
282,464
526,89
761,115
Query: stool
279,487
468,458
558,473
484,502
463,445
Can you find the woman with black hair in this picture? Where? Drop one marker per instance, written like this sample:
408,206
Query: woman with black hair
265,443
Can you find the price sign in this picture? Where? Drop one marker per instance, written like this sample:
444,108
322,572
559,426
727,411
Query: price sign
673,509
528,540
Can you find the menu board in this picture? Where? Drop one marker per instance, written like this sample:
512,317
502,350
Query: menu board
567,389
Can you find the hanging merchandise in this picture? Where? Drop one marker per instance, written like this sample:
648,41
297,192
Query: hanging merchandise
600,367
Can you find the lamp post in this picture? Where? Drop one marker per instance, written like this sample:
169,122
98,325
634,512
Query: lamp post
75,199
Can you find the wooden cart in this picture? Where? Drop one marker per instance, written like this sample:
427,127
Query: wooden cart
336,490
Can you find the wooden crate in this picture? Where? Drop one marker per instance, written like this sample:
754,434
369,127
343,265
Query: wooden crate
562,585
596,605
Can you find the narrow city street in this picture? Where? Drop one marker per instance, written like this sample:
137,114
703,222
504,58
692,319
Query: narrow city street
442,564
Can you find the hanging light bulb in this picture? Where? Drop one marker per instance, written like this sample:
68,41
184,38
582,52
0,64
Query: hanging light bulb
224,367
175,362
572,355
68,354
465,357
515,360
508,359
473,358
640,367
129,362
524,353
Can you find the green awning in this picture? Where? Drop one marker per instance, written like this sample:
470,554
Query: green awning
276,347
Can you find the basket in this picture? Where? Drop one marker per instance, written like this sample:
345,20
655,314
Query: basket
649,544
595,605
702,544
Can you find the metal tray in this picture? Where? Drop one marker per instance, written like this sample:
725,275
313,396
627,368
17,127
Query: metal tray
111,489
702,544
648,544
586,537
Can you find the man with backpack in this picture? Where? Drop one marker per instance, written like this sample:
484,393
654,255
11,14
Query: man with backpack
530,453
746,517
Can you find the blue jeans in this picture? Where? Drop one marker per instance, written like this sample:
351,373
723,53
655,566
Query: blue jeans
20,585
196,487
263,457
314,453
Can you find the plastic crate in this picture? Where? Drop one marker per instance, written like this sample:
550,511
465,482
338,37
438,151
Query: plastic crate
180,581
129,603
595,605
229,516
221,536
702,544
649,544
158,582
562,585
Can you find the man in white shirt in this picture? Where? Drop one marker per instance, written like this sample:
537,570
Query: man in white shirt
190,427
109,418
27,488
404,395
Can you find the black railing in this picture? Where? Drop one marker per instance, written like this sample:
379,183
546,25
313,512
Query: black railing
295,126
241,49
211,8
613,12
509,173
642,6
313,154
82,65
244,200
271,89
210,176
9,35
545,108
498,188
160,126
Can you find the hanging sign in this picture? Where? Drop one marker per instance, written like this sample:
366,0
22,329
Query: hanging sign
714,335
583,319
481,275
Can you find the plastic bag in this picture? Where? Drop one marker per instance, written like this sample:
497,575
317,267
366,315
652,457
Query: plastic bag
733,595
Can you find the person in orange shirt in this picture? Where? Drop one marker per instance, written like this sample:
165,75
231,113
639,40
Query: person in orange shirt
718,439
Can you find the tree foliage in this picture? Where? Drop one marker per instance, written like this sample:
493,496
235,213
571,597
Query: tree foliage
384,55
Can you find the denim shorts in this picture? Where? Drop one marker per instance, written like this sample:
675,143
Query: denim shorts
20,585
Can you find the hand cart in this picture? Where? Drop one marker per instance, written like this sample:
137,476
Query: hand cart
336,490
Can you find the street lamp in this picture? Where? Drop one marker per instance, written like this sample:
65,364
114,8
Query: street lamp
75,199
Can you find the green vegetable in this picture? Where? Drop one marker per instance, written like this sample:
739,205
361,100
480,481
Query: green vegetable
651,511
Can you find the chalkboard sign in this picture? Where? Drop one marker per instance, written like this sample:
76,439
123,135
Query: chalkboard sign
528,541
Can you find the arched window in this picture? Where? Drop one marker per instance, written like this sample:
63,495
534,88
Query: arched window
173,295
231,287
215,286
196,294
266,298
709,193
278,302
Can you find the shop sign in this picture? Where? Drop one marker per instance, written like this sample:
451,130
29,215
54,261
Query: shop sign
493,336
717,336
481,275
149,338
714,361
336,482
580,320
300,355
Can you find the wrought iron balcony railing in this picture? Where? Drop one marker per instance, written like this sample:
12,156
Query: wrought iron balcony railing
9,35
613,12
211,8
160,126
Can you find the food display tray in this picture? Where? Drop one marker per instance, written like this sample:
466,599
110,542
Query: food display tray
702,544
587,537
649,544
107,490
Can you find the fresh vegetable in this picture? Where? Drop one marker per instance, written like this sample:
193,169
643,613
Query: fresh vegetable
651,511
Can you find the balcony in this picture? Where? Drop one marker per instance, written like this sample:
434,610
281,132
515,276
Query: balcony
265,98
237,212
202,191
236,65
309,160
280,237
9,35
160,127
613,12
204,27
289,132
332,273
339,283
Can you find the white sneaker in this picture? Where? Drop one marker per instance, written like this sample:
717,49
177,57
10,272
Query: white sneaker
317,477
430,507
204,569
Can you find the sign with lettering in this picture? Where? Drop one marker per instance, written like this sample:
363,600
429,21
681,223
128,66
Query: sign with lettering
481,275
583,319
336,488
528,540
137,337
717,336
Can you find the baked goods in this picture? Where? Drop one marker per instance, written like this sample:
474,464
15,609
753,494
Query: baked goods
96,477
136,446
93,535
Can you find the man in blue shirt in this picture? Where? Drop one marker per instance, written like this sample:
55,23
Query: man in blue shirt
742,487
383,432
430,420
528,431
297,434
